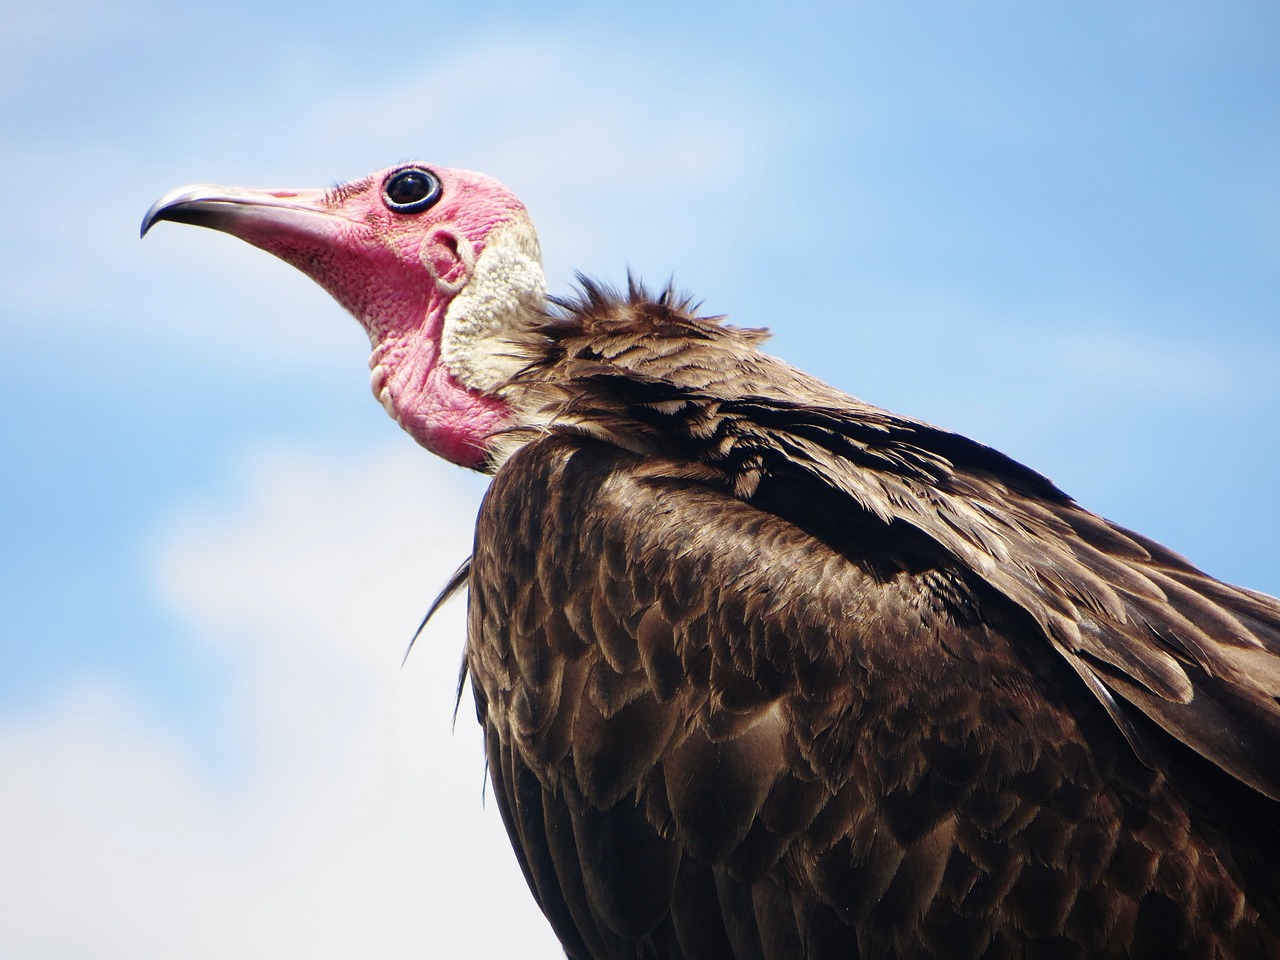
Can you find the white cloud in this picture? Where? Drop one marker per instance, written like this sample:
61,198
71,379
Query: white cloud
1172,369
35,36
611,154
356,827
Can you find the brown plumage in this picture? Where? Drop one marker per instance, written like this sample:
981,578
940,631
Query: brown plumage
766,672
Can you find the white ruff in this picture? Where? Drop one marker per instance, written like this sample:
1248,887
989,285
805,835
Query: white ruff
506,289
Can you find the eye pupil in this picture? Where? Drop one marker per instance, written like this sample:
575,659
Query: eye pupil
411,191
408,188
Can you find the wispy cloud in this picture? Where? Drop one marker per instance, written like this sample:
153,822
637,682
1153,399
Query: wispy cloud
353,824
612,169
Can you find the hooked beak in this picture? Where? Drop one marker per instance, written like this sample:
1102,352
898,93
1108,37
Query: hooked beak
303,228
229,208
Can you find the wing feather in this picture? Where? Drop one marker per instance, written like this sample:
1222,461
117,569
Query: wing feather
885,744
1129,614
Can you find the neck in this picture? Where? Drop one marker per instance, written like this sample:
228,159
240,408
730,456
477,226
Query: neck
422,395
441,381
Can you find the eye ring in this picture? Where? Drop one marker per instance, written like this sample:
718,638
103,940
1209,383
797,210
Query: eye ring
410,190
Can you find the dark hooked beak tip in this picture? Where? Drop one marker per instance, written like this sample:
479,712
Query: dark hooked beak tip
190,204
150,219
171,205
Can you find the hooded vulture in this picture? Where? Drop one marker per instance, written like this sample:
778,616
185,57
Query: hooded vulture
766,672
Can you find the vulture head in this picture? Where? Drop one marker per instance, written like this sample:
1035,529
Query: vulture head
441,267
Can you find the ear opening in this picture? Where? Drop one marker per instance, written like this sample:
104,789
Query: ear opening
449,257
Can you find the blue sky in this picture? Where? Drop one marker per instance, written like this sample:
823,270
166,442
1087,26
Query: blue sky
1053,227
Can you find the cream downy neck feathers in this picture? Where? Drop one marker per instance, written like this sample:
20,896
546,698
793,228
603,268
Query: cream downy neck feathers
504,294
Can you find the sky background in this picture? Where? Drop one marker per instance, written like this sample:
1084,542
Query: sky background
1054,227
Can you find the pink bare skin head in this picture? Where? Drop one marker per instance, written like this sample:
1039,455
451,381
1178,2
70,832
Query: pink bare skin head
408,251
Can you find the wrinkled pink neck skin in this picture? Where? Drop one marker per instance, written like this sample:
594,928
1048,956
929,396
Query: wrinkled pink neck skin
398,274
421,395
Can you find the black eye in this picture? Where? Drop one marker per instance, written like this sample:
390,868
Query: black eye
411,190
